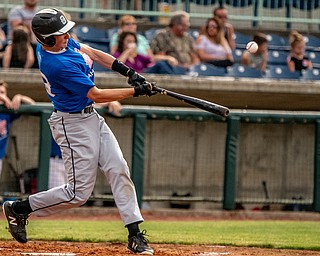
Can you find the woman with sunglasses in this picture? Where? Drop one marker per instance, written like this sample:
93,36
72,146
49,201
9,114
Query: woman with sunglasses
212,47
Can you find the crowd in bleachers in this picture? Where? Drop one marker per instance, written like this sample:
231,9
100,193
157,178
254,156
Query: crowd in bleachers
215,49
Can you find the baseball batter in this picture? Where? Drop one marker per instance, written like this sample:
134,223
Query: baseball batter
85,140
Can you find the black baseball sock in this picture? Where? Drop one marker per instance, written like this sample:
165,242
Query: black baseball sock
133,229
22,207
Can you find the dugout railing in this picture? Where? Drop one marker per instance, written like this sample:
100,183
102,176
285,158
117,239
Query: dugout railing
222,160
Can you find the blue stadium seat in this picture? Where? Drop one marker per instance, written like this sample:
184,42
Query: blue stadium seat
276,42
281,72
238,70
205,69
314,56
277,57
91,34
311,74
241,40
194,33
100,46
237,53
111,31
150,33
312,42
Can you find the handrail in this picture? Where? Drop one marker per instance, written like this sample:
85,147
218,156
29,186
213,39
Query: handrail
258,15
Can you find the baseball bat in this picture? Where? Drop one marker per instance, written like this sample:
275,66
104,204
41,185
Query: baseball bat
199,103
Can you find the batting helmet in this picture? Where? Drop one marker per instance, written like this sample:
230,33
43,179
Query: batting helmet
48,23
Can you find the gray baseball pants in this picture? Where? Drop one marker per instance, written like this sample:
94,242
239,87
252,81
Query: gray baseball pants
86,143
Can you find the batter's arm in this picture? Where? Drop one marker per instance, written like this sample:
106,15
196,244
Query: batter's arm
108,95
100,57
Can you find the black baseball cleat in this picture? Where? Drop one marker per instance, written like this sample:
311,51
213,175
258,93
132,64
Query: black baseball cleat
17,222
139,244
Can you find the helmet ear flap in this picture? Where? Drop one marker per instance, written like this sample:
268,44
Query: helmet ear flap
50,41
47,41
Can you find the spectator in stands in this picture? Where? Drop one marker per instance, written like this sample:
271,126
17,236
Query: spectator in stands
258,60
212,47
222,14
128,54
297,60
174,45
57,174
7,119
129,23
22,15
19,52
3,44
3,39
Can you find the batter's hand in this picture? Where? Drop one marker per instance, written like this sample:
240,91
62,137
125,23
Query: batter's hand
144,88
135,77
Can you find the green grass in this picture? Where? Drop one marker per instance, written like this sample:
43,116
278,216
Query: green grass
270,234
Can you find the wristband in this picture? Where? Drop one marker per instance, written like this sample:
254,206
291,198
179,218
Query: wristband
121,68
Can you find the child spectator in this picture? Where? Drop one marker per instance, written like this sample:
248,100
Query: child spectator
129,23
19,52
259,59
212,47
128,54
7,119
3,44
297,60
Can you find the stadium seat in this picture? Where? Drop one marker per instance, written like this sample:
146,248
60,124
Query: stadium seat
312,42
237,53
238,70
281,72
194,33
277,57
276,42
205,69
241,40
91,34
314,56
311,74
100,46
111,31
150,33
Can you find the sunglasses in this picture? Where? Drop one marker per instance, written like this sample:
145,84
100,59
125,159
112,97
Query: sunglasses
212,26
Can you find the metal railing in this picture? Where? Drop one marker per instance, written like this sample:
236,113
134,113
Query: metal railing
250,13
254,146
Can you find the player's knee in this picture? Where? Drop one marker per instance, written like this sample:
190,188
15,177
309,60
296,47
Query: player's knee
82,197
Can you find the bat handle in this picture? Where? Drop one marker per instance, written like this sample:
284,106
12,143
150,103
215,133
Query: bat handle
159,90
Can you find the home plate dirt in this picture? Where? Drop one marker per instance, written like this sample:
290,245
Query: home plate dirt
12,248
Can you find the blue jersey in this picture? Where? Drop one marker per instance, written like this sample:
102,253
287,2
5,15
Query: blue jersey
68,76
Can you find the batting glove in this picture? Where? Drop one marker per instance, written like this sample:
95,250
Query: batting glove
135,77
144,88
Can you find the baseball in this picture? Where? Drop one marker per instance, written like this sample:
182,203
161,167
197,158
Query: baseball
252,47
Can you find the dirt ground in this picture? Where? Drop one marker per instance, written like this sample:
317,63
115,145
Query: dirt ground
10,248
